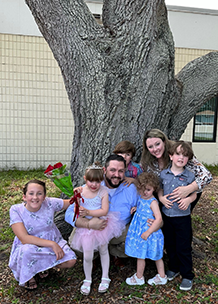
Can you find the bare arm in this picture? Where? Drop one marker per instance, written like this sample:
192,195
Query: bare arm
66,204
94,223
157,223
99,212
21,232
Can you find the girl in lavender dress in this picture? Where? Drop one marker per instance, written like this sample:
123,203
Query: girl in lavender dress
95,204
38,244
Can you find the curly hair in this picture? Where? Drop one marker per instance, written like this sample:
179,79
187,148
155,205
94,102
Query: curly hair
145,179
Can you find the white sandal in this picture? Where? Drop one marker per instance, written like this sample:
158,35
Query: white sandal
85,290
104,285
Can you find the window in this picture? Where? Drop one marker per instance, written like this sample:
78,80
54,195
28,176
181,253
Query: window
205,122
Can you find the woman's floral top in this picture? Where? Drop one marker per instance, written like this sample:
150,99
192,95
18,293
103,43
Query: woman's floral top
202,176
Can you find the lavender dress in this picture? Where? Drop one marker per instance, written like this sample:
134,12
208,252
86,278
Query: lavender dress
27,260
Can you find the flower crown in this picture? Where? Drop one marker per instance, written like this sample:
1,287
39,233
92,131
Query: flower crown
94,166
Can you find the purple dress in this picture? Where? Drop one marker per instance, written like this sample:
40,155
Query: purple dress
27,260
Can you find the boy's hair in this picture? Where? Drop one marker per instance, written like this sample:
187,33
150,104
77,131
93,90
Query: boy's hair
34,181
186,148
145,179
125,146
115,157
95,172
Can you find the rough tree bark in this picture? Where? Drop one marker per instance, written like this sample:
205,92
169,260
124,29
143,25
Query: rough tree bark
120,77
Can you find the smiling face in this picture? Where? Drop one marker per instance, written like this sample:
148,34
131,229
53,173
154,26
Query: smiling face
93,186
114,173
155,146
34,197
178,159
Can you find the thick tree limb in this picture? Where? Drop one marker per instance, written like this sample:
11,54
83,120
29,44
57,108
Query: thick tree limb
198,81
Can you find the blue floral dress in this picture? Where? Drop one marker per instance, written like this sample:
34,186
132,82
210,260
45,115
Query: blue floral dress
135,246
26,260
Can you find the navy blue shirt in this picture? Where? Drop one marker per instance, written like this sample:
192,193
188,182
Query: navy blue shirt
169,182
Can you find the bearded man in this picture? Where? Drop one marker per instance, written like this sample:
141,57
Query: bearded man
121,199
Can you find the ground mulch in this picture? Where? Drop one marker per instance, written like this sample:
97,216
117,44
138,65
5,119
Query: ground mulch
64,286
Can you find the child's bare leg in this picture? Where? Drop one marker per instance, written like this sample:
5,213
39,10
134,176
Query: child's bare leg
67,264
140,268
160,268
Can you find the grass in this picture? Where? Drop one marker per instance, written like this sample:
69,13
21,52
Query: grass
206,282
212,168
11,185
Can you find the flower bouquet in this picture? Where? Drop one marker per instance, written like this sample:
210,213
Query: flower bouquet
62,179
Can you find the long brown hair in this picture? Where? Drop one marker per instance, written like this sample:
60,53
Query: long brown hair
147,159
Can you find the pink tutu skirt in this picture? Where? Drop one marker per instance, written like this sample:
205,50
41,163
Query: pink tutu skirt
89,239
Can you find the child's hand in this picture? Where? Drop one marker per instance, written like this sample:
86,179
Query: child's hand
145,235
167,203
79,189
128,181
58,251
83,211
184,203
133,209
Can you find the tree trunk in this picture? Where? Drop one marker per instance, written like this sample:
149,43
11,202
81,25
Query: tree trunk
119,77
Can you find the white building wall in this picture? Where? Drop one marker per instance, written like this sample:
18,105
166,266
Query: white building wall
36,123
193,27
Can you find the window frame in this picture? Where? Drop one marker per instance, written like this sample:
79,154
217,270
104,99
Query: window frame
214,127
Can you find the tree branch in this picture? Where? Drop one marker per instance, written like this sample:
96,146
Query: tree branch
197,82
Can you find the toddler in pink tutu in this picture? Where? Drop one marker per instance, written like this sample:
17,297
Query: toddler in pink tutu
87,240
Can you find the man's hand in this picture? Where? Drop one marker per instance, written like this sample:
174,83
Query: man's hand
97,223
133,209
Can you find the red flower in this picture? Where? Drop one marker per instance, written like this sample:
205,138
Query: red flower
58,165
50,168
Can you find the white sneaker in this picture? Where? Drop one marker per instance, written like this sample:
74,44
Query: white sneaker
134,280
157,280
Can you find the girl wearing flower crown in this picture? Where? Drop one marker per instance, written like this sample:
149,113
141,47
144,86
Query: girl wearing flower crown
94,203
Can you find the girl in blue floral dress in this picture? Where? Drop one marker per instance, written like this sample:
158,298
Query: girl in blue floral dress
144,242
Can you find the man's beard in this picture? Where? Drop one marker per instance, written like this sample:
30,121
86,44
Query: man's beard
111,184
